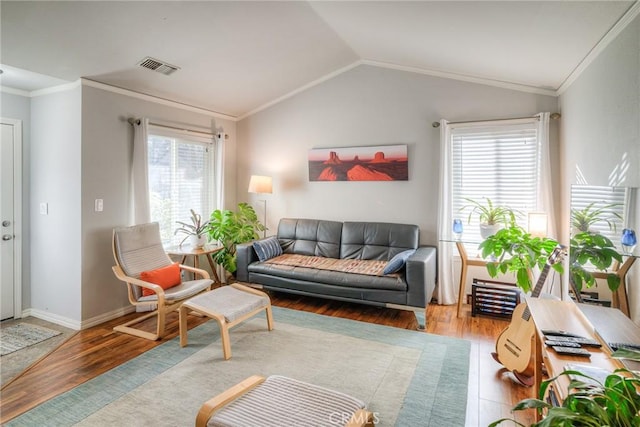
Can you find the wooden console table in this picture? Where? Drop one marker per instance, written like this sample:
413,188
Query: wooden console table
611,324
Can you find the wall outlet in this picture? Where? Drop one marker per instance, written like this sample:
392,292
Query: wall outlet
99,205
44,208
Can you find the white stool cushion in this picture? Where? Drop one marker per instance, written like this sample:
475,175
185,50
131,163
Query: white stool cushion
230,302
280,402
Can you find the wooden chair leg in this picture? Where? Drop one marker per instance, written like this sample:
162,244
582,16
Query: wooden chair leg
183,314
224,337
269,317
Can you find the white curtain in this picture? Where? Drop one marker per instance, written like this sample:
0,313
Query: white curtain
140,173
447,289
219,168
545,184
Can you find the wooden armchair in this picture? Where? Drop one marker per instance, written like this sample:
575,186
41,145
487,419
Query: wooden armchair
139,249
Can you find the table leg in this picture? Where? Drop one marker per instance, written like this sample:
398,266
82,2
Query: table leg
213,269
465,263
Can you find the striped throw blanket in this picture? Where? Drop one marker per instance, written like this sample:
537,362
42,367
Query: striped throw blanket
355,266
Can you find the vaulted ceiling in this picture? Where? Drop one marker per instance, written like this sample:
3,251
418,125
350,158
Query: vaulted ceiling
236,56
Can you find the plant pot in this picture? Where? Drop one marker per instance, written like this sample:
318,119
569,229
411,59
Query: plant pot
487,230
197,241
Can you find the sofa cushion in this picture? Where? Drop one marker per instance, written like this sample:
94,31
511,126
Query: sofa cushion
377,240
267,248
310,237
398,262
391,282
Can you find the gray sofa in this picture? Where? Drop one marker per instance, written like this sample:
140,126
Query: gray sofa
411,288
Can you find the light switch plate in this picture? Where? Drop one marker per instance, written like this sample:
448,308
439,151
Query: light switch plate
99,205
44,208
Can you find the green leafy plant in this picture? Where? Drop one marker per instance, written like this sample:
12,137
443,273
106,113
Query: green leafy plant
592,249
489,213
583,219
230,228
514,250
589,403
196,228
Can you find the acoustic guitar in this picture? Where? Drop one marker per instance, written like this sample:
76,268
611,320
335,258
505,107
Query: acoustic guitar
513,347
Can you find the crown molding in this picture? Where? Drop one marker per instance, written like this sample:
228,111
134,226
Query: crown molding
155,99
605,41
462,77
12,91
302,88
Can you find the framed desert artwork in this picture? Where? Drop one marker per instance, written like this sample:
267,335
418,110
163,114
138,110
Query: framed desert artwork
374,163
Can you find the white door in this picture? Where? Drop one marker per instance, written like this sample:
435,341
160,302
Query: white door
10,142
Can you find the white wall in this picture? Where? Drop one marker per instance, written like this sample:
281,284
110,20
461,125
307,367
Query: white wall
19,107
107,141
56,247
367,106
600,129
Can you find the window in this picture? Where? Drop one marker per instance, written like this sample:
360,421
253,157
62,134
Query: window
181,178
499,162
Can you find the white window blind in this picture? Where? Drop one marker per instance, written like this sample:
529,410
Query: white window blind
181,177
500,162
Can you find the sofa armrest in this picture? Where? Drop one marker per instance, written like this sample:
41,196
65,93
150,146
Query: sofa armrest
421,271
245,255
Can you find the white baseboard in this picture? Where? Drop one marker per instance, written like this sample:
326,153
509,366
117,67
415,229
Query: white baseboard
74,324
53,318
107,316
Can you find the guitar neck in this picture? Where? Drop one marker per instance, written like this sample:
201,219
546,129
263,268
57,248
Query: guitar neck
540,284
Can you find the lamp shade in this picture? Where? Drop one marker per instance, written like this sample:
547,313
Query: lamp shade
260,184
538,224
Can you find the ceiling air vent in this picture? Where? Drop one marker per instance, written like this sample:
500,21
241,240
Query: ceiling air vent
157,65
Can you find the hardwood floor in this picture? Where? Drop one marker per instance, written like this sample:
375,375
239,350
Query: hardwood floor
93,351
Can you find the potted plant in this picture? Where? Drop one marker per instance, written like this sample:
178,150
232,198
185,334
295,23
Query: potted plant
196,232
614,402
492,217
230,228
516,251
592,249
583,219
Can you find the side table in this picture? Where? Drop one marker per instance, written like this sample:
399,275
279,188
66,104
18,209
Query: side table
466,262
619,297
185,251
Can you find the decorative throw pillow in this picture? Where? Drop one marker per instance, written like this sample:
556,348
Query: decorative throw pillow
396,263
267,248
166,277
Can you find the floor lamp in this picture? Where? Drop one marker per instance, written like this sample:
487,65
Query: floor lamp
261,185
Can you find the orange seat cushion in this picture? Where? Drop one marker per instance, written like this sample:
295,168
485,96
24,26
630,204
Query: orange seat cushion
167,277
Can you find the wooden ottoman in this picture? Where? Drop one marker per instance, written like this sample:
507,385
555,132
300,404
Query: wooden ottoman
279,401
227,305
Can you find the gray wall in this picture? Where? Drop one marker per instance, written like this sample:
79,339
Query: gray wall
56,251
107,144
600,130
367,106
19,107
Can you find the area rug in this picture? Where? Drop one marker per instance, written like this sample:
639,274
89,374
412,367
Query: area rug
407,378
22,335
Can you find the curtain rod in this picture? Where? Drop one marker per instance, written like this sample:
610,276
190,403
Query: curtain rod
553,116
133,121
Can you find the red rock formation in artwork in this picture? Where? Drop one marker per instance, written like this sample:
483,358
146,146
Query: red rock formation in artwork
333,159
379,158
363,173
328,174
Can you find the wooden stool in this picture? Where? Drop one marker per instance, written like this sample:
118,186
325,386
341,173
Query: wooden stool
228,305
279,401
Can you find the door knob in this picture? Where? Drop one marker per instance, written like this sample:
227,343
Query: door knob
6,223
7,237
